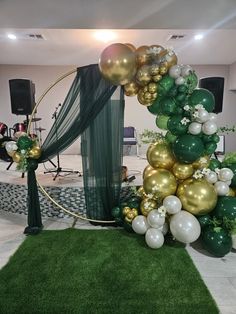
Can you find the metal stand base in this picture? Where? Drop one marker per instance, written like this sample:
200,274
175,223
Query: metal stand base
59,170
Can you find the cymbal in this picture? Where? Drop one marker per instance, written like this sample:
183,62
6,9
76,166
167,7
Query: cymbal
40,129
33,120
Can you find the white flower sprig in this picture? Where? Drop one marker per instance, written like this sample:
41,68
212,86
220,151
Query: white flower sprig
187,108
162,211
154,51
198,174
185,121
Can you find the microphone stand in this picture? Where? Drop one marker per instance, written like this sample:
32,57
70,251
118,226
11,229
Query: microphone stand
58,169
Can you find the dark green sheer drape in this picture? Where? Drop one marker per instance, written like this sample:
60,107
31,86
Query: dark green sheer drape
102,153
87,97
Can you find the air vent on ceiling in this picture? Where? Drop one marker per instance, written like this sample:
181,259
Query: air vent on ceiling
176,37
35,36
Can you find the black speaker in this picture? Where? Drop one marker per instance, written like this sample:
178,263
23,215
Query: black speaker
216,86
22,96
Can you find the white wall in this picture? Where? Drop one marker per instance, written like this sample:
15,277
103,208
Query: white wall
135,114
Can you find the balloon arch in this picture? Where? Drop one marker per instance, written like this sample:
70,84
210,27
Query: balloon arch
185,192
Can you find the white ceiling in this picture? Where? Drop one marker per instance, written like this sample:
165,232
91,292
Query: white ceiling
68,28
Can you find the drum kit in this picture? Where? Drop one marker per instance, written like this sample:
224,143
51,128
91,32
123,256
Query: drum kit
18,129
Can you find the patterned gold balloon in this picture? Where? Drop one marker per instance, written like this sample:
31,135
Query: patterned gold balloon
142,100
147,170
142,57
157,78
160,183
154,69
130,216
152,88
197,196
143,76
117,64
147,205
126,210
201,163
154,96
147,96
134,211
163,70
131,89
231,193
35,152
182,171
159,155
16,157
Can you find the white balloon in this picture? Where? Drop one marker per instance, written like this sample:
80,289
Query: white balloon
209,128
185,227
172,204
212,116
154,238
228,182
211,177
11,146
175,71
221,188
225,174
186,70
164,229
203,116
180,81
195,128
154,219
140,224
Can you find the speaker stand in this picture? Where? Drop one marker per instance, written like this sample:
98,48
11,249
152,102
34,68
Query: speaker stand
9,166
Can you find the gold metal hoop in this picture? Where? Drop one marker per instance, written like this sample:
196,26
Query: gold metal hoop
28,132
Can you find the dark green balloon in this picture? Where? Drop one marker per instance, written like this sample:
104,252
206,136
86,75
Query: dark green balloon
134,202
173,91
128,227
168,106
204,221
116,212
225,207
155,108
182,89
32,164
181,97
188,148
165,85
24,142
214,163
204,97
210,138
161,122
210,148
217,241
176,127
170,138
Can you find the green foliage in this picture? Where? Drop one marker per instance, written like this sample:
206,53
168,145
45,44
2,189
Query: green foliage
149,136
102,272
230,158
227,129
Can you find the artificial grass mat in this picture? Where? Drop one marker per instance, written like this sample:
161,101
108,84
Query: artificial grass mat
101,271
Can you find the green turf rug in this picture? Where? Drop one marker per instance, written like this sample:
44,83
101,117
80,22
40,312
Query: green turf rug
101,271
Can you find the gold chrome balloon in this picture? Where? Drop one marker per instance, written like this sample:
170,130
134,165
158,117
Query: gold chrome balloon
132,47
197,196
147,171
159,155
117,64
182,171
157,78
134,211
16,157
143,76
201,163
131,89
35,152
147,205
130,216
142,57
152,87
160,183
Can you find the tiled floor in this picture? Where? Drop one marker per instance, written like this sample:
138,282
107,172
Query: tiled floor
219,274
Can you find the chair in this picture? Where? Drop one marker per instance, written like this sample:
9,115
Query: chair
130,138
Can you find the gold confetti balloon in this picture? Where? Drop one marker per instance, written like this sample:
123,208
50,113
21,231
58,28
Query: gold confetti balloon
147,205
182,171
159,155
160,183
197,196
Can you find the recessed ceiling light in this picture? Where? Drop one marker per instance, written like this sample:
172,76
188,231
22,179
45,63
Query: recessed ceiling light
105,35
198,37
11,36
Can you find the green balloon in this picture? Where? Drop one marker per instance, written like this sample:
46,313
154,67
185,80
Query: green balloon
134,202
191,82
155,108
188,148
210,138
165,85
214,163
175,126
204,97
173,91
161,122
225,207
116,212
24,142
217,241
204,221
210,148
168,106
182,89
170,138
181,97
